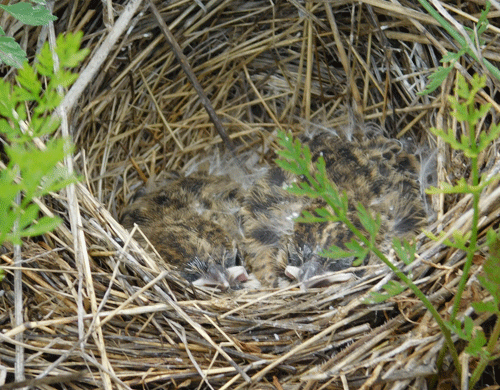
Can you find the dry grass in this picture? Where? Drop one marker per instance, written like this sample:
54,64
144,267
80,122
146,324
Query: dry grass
106,313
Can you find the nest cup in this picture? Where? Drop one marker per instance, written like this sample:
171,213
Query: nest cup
100,308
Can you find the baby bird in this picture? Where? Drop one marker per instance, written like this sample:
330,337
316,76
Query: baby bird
182,222
374,171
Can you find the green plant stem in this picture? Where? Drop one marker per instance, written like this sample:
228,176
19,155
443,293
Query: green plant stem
439,364
485,357
371,245
471,250
458,37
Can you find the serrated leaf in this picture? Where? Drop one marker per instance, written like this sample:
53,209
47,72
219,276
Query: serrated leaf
489,307
448,137
7,103
307,217
28,79
476,344
1,31
437,79
27,14
322,212
460,240
393,288
456,327
44,225
11,53
462,88
371,225
357,250
28,215
461,187
64,79
468,326
376,297
67,49
404,250
487,137
43,126
335,252
45,64
450,57
492,287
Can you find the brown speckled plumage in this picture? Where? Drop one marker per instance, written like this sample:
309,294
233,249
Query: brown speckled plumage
183,221
203,223
375,172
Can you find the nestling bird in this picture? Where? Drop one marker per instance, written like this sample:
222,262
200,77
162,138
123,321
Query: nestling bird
373,170
211,226
181,220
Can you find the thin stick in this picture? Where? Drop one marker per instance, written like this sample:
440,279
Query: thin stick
192,77
88,75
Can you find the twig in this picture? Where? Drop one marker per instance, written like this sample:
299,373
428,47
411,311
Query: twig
205,101
88,75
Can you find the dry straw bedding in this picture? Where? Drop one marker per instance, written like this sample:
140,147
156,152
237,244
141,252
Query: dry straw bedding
105,312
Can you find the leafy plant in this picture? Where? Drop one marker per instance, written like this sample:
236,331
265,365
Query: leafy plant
472,37
296,158
472,144
33,171
10,51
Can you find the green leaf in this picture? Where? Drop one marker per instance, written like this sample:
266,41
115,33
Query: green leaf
64,78
483,22
448,137
404,250
43,126
44,225
11,53
357,251
456,327
7,103
489,307
486,138
436,79
392,288
28,79
45,65
67,49
335,252
375,297
450,57
28,215
461,187
57,180
476,344
27,14
492,264
468,327
492,287
371,225
1,31
459,242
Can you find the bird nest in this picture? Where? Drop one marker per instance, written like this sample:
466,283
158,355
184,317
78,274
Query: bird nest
98,311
